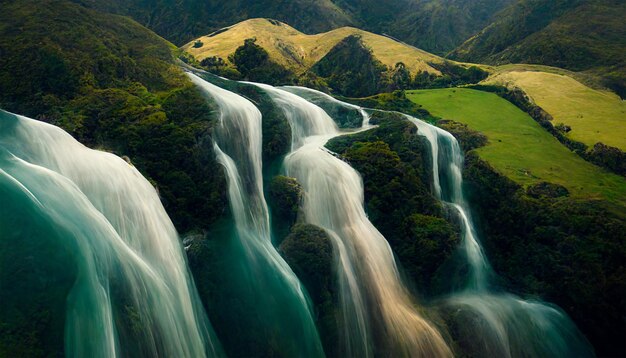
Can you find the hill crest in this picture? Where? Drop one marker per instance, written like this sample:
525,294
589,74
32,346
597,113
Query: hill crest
299,52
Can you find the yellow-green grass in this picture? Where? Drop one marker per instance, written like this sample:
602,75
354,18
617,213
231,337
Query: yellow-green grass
587,78
518,147
594,115
299,52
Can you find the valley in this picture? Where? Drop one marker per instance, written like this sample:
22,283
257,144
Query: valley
337,178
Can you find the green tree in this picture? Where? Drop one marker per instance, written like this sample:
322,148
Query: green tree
249,56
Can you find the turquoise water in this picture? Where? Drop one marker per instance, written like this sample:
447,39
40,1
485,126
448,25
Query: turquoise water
94,221
92,264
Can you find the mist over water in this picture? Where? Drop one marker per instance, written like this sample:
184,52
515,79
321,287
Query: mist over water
491,323
106,236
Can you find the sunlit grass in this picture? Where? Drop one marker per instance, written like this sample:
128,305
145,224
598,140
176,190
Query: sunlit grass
594,116
518,147
298,51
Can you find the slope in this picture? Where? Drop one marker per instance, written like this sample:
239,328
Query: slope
593,115
518,147
113,84
572,34
180,21
438,26
299,52
435,25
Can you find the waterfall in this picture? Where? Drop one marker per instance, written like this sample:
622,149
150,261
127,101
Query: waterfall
282,305
101,226
321,98
447,163
377,310
496,324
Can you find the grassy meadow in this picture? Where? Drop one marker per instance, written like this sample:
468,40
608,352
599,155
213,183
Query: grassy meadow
593,115
518,147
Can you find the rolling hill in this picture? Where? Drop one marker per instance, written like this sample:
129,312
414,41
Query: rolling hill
518,145
299,52
436,25
593,115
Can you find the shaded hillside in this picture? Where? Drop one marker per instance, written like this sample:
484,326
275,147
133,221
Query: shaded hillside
572,34
181,21
350,68
113,84
434,25
439,26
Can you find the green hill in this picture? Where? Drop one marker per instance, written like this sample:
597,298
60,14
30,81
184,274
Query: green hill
591,115
572,34
114,85
518,147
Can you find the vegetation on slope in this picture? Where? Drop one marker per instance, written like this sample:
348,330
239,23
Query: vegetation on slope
393,162
518,146
439,26
358,64
182,21
611,158
361,75
113,85
592,116
572,34
299,52
254,64
565,250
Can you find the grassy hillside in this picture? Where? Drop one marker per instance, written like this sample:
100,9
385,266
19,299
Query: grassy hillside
518,147
593,115
572,34
438,26
299,52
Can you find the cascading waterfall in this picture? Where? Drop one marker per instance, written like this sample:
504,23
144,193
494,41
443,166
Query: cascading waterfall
378,311
320,98
504,325
105,244
101,225
283,306
447,163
